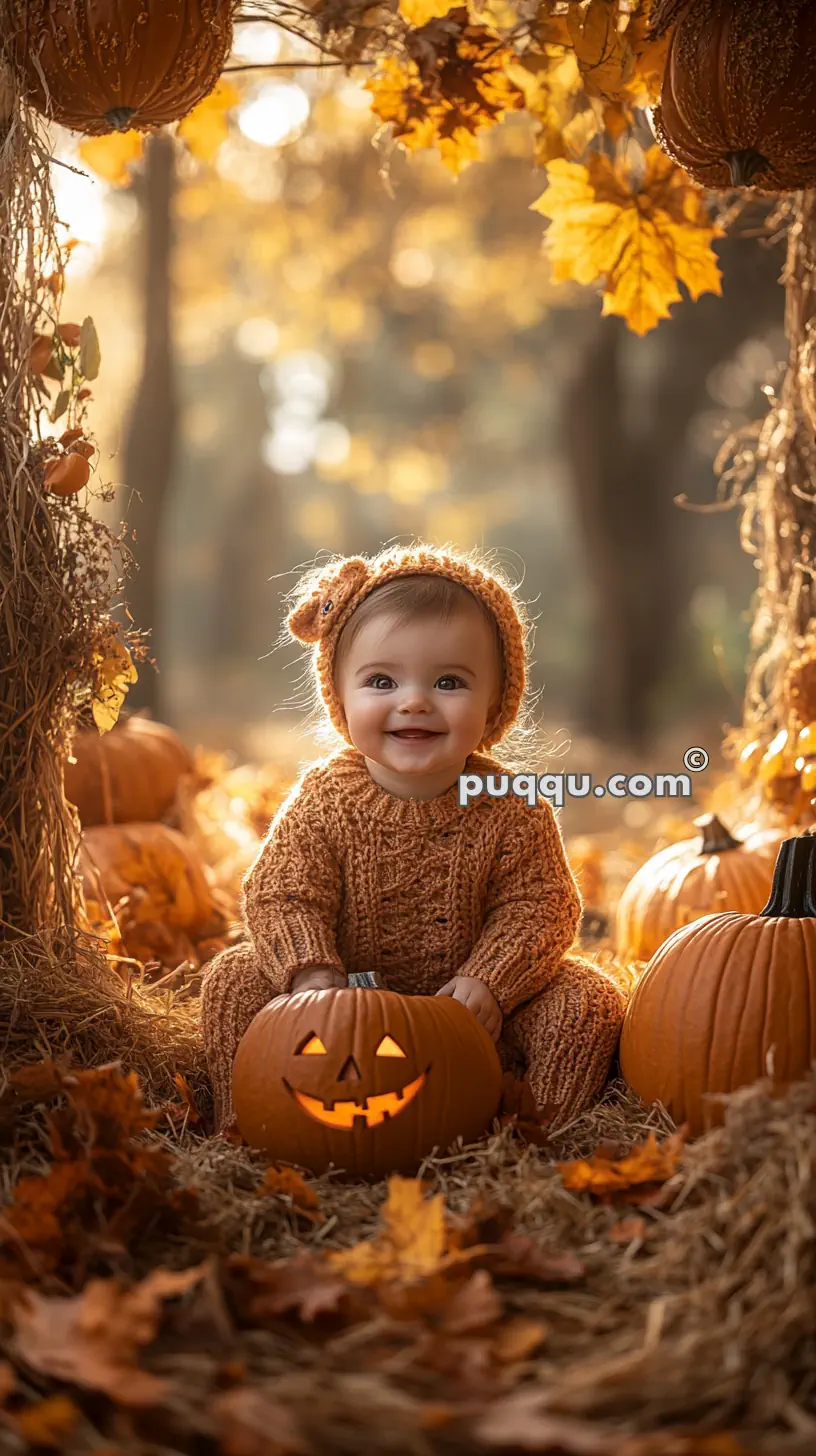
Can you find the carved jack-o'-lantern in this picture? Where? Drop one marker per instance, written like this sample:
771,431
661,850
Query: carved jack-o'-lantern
367,1080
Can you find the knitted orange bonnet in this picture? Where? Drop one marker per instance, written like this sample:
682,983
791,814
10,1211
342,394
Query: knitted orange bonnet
329,595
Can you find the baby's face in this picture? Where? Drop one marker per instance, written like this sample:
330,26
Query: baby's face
418,697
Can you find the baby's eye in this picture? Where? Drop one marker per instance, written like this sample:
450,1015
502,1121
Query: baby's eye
377,677
452,678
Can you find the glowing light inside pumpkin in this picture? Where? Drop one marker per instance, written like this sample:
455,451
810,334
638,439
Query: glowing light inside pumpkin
313,1048
374,1110
388,1048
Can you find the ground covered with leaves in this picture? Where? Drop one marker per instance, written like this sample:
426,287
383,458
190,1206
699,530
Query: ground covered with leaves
612,1292
615,1293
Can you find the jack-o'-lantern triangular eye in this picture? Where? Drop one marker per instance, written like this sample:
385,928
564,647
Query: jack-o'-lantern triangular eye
312,1047
388,1048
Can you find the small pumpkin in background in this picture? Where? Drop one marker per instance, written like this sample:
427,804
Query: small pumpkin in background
692,878
98,66
130,774
151,881
729,999
738,102
364,1079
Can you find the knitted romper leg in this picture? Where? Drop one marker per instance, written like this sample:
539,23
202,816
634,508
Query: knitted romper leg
568,1034
233,991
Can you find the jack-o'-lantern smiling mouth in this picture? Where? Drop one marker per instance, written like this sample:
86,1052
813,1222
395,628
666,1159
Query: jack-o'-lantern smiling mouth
373,1110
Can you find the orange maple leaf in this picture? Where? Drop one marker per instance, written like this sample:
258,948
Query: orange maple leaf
288,1183
459,89
648,1163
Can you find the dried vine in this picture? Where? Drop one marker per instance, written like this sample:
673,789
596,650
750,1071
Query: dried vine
776,481
55,558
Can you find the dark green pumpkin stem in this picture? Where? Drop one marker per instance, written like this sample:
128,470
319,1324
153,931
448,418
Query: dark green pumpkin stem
716,838
793,892
744,166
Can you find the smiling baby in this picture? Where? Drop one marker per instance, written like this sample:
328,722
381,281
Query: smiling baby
372,865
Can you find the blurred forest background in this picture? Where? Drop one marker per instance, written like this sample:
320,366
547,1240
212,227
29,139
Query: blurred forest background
311,343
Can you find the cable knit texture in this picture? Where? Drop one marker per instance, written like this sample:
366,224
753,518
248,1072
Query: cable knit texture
354,877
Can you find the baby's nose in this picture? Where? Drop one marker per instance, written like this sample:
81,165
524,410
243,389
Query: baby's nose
413,693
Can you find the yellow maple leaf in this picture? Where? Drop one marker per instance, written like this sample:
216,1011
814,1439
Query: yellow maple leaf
552,87
412,1244
639,241
603,51
110,157
420,12
645,83
114,673
207,126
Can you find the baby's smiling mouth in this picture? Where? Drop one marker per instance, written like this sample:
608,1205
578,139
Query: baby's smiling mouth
418,733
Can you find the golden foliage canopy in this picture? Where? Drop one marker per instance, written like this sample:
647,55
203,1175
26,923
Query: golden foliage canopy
581,74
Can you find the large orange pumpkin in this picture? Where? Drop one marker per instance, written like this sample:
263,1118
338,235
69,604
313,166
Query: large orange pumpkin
169,905
98,66
364,1079
129,774
116,858
738,105
693,878
728,999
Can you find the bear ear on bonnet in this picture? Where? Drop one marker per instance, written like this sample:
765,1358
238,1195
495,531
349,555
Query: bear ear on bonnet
314,617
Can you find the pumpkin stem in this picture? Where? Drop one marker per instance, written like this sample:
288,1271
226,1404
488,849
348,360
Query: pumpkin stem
716,838
793,892
119,117
744,166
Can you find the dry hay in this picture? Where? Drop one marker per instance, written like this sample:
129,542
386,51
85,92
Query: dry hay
769,468
59,997
56,559
708,1319
703,1321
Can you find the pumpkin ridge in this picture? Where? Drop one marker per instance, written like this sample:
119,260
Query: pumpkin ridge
739,77
777,942
728,931
745,976
799,1028
810,993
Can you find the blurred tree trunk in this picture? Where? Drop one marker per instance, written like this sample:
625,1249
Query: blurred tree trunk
150,446
615,507
625,483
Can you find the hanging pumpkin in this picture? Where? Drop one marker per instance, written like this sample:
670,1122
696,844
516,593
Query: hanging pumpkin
131,773
738,105
99,66
155,883
364,1079
693,878
728,999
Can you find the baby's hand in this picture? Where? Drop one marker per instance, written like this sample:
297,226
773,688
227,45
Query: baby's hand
479,999
318,978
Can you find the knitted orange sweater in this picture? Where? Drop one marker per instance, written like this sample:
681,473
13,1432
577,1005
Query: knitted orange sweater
418,890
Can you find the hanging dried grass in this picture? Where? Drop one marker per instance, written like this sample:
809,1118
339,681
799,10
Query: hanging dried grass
773,475
55,558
